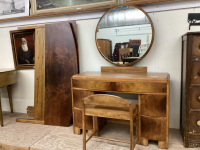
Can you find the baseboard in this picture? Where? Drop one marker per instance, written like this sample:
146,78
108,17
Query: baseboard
19,105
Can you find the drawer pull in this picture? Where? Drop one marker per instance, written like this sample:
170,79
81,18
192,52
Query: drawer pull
198,123
198,98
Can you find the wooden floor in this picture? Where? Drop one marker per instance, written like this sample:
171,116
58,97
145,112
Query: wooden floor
24,136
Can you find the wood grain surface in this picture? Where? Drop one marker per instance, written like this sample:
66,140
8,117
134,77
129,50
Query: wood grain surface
108,106
137,87
60,64
124,69
153,128
39,94
8,78
153,105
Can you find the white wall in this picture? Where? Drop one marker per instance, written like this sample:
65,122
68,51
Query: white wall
165,55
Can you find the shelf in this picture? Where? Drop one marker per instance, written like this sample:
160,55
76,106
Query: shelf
57,13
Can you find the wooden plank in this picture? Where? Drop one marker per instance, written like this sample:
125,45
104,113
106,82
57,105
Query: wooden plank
124,69
30,110
39,95
31,27
12,147
30,121
60,64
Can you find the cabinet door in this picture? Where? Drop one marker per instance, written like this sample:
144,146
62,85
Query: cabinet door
194,122
153,128
143,1
195,97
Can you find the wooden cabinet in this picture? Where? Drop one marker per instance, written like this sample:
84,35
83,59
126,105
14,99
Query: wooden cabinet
190,90
137,2
105,46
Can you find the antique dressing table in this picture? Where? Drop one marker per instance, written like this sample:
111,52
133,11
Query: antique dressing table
153,95
126,24
7,77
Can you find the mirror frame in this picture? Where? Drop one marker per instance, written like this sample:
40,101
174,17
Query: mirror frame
152,40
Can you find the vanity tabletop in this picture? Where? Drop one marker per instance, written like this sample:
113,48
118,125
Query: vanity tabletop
155,76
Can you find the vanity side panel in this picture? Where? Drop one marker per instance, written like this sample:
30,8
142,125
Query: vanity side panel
153,128
153,105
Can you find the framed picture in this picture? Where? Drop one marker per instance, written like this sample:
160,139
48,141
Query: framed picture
23,45
14,8
47,6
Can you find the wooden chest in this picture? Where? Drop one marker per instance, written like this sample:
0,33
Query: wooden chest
190,90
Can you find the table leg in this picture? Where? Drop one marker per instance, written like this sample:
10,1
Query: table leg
162,145
1,117
144,142
10,97
77,130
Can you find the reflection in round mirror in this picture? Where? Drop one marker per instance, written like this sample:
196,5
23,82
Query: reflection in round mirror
124,35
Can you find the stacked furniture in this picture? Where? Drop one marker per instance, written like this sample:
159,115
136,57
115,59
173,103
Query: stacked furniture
56,60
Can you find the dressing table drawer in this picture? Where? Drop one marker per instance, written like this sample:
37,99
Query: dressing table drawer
195,97
196,46
153,105
194,122
195,76
78,95
132,87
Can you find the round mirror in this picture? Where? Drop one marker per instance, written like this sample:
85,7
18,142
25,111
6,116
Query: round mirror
124,35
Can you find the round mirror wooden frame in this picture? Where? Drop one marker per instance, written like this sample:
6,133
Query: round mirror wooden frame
152,39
